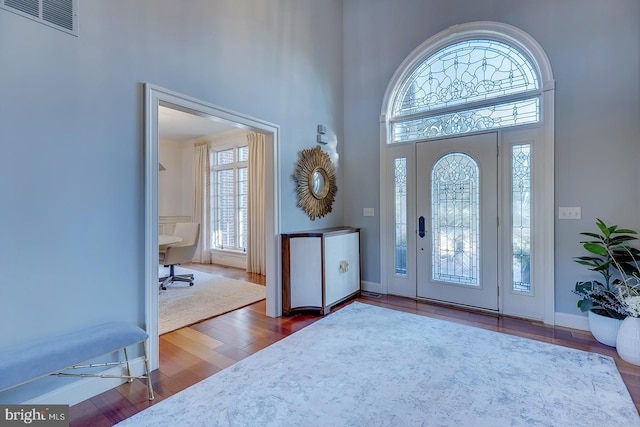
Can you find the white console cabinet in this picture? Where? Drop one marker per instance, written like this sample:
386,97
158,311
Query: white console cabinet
320,268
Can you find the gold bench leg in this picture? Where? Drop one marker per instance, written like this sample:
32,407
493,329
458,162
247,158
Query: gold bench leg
148,372
126,358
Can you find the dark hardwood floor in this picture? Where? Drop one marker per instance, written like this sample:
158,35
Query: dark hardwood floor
191,354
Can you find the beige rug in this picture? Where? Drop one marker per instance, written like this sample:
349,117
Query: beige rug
183,305
364,365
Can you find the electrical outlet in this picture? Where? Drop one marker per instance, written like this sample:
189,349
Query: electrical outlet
569,213
367,212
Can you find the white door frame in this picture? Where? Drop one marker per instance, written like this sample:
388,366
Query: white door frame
154,96
542,168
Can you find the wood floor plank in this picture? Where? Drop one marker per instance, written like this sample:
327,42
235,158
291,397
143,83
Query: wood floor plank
199,337
200,351
191,354
88,414
114,406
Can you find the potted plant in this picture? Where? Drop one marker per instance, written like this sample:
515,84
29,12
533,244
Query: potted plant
628,340
611,257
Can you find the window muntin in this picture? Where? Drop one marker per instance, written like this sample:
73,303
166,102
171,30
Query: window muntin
230,198
468,86
225,157
243,154
455,221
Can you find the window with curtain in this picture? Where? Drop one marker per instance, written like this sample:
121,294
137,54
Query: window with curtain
229,178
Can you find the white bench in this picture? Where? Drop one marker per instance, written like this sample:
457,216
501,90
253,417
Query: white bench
56,354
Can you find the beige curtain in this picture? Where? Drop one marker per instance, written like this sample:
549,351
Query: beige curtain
201,201
256,244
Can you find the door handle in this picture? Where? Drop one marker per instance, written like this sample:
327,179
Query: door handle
421,226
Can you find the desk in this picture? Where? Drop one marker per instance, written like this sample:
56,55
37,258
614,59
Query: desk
164,239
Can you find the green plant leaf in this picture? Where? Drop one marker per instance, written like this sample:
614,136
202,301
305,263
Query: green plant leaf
588,258
615,314
622,250
596,249
619,239
585,305
585,287
604,266
626,230
629,269
601,225
587,263
595,236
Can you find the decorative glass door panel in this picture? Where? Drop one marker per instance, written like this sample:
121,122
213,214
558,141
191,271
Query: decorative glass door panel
454,219
457,226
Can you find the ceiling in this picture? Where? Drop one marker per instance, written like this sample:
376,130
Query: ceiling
178,126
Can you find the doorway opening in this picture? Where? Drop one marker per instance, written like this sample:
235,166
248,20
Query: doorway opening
156,97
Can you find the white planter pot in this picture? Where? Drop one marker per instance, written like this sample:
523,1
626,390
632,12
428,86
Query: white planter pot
628,340
604,328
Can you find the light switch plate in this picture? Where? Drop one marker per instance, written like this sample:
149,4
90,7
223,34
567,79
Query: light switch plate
368,212
569,213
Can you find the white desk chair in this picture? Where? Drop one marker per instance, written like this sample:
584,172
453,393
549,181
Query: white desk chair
178,253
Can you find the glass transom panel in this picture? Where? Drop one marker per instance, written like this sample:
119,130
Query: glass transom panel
465,72
466,121
455,219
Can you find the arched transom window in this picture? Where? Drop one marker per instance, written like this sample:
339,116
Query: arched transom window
469,86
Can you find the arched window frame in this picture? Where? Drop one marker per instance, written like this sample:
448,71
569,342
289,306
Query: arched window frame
465,104
504,33
543,172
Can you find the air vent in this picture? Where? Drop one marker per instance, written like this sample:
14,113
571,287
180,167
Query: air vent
59,14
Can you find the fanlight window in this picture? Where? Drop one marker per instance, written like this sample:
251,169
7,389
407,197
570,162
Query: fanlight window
469,86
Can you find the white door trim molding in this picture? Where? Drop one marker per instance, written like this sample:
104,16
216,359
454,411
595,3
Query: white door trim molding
153,97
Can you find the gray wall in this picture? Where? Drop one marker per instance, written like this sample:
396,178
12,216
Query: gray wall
593,49
71,109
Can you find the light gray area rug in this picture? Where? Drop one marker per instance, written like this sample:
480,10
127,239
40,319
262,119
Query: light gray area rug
210,295
370,366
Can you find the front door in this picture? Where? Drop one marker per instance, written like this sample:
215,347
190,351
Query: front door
457,211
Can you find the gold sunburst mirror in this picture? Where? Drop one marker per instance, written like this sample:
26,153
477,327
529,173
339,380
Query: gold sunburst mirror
315,179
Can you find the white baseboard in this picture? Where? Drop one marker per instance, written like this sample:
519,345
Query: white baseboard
86,388
573,321
228,258
371,287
